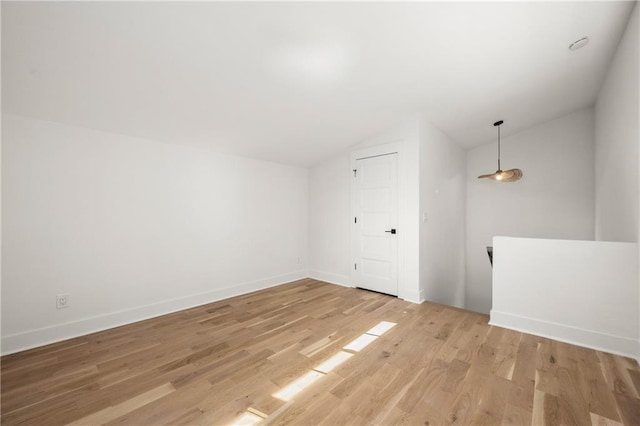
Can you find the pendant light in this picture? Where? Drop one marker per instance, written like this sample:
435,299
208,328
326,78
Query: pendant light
510,175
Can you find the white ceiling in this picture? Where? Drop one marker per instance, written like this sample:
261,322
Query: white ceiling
297,82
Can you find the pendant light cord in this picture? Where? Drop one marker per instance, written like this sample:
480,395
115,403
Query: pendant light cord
499,148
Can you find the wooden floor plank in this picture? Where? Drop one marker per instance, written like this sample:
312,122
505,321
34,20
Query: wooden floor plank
216,363
113,412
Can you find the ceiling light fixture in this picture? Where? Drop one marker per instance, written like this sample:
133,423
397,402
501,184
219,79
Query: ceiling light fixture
579,44
510,175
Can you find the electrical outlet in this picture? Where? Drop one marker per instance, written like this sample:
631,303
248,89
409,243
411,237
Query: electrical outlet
299,260
62,301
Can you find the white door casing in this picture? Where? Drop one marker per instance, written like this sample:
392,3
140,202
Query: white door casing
374,205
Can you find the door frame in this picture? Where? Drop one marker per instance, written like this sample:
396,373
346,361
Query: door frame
372,151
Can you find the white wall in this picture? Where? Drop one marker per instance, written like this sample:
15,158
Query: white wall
442,227
582,292
132,228
617,136
554,199
617,141
329,220
636,27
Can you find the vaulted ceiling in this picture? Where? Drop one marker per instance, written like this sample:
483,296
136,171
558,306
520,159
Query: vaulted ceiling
296,82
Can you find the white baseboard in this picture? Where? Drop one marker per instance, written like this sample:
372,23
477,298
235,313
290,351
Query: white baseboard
345,281
328,277
46,335
412,296
618,345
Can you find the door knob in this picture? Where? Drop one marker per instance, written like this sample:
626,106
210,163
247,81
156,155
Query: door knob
392,231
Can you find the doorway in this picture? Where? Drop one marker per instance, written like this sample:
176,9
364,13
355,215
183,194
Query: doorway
374,241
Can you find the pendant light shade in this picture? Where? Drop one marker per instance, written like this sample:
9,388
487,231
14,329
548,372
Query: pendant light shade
500,175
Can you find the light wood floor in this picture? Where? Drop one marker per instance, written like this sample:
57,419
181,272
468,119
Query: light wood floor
262,357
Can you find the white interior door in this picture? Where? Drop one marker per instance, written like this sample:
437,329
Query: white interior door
374,196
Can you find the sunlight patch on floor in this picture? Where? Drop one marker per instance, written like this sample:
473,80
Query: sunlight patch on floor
360,342
333,362
292,389
247,419
381,328
368,337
